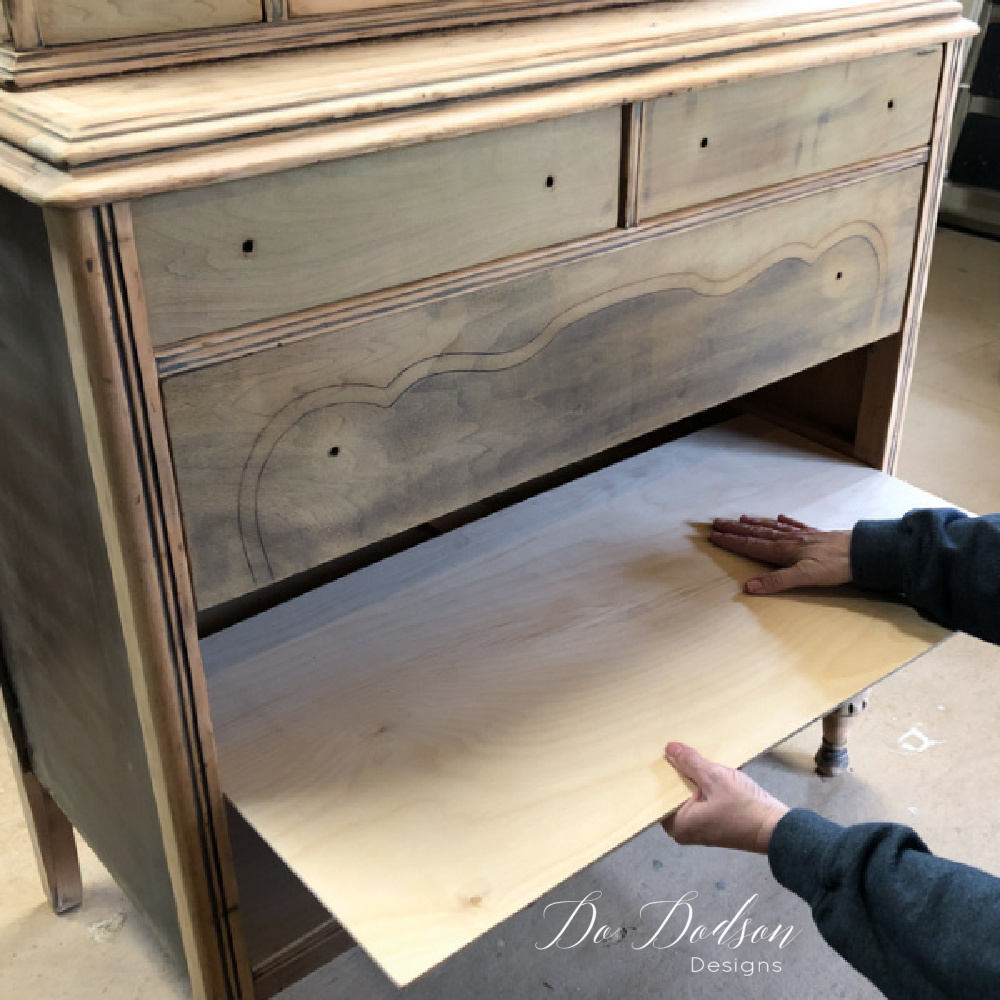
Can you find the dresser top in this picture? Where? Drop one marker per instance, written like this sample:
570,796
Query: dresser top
125,136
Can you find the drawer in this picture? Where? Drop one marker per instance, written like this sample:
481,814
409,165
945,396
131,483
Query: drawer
293,456
231,254
424,742
61,23
708,144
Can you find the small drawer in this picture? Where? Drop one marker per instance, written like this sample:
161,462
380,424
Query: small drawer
294,456
61,23
709,144
231,254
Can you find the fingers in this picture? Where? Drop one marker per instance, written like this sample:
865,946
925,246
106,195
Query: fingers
793,524
690,764
779,549
743,529
669,822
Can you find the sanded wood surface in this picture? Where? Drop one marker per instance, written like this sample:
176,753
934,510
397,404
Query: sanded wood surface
296,455
64,642
231,254
434,742
717,142
62,23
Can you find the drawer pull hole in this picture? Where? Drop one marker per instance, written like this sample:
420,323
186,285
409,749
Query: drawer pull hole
704,142
334,451
248,247
891,105
840,274
550,181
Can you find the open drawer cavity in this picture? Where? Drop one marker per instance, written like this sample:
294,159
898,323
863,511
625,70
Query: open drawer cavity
434,742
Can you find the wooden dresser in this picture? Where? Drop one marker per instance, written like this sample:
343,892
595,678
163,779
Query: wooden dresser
288,289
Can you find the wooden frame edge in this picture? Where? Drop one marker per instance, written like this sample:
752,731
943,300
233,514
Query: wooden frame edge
879,432
126,441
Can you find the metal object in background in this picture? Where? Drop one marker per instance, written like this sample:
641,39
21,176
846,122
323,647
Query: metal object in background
971,196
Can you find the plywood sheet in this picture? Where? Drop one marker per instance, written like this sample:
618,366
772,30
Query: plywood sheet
433,743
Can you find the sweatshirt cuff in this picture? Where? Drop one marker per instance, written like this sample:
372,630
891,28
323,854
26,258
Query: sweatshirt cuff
796,849
877,556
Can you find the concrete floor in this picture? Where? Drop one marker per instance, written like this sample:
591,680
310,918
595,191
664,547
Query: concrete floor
951,447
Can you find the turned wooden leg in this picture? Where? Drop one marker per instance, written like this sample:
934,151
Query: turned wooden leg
50,831
832,758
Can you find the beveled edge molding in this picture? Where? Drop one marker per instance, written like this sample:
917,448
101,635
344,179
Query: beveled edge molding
372,122
36,67
32,65
216,348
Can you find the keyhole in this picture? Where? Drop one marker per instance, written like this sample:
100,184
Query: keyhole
704,142
248,247
334,451
840,274
550,181
891,105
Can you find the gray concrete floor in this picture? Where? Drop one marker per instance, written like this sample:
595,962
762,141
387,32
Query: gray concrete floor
942,785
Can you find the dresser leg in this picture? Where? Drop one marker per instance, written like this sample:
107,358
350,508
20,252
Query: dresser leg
832,758
51,832
55,846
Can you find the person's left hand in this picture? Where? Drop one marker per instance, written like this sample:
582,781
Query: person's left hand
727,810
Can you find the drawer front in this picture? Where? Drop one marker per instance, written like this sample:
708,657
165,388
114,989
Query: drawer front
293,456
61,23
712,143
231,254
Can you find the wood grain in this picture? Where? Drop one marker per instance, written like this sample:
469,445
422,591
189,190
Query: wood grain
291,457
62,23
717,142
63,636
424,742
231,254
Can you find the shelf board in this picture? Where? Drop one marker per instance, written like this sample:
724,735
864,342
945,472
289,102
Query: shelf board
434,742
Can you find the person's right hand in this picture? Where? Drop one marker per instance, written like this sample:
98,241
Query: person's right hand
810,558
727,810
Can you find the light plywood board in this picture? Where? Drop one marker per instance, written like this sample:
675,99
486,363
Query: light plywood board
433,743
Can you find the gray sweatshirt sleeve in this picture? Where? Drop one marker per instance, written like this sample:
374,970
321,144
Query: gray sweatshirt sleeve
946,564
918,926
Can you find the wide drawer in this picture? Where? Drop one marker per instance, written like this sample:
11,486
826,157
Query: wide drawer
708,144
230,254
435,742
293,456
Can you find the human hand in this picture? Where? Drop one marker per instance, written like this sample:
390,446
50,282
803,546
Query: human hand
811,558
728,810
